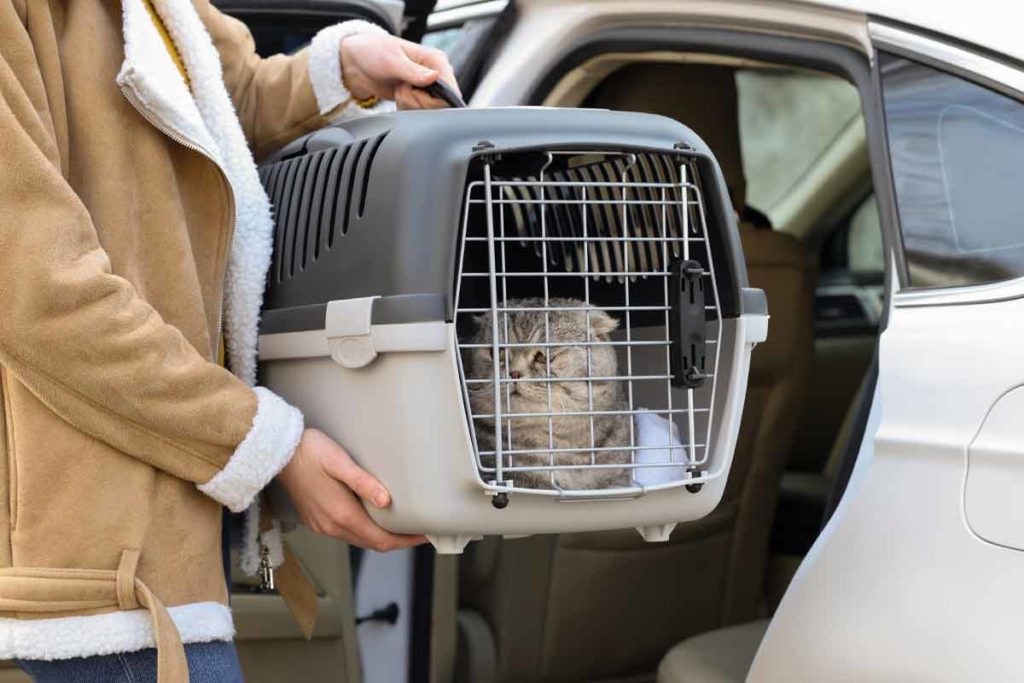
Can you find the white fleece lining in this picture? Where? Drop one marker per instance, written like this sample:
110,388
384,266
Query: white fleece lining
266,449
325,67
155,81
104,634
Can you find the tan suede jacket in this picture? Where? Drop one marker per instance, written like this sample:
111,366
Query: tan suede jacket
133,229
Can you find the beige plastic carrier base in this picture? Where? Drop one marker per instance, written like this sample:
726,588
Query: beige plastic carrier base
401,415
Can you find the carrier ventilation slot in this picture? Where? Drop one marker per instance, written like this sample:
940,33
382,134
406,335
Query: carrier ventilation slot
367,167
633,210
350,182
313,200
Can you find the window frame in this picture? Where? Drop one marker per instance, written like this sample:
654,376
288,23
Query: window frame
1003,77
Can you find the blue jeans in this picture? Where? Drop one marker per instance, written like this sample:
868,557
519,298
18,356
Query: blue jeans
215,662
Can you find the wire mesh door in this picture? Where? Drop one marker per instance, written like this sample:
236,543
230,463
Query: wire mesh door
588,320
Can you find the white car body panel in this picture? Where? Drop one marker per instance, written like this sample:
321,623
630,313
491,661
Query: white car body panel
899,586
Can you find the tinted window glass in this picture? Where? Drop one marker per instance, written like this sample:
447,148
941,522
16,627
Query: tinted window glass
957,154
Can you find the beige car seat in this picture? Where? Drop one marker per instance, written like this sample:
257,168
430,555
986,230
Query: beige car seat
586,607
726,654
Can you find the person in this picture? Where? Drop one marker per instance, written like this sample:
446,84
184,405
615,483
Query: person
135,239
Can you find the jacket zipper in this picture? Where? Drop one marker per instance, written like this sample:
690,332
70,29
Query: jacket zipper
180,139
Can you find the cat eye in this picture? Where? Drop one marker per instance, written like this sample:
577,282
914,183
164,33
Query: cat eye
538,357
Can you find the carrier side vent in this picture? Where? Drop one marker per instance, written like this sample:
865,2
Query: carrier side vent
367,167
346,186
314,201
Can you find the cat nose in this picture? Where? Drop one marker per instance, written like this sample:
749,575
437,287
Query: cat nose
515,374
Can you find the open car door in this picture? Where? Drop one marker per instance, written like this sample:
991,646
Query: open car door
926,544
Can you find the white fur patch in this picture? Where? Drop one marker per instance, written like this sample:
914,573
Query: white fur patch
104,634
325,69
265,450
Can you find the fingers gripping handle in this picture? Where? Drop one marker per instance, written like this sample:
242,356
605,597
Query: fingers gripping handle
446,93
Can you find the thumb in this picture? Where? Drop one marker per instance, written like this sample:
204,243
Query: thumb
415,74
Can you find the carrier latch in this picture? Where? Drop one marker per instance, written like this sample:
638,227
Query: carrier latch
348,329
687,326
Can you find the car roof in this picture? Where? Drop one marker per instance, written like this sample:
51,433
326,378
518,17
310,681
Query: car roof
994,25
990,24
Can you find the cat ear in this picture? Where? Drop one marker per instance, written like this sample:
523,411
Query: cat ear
601,323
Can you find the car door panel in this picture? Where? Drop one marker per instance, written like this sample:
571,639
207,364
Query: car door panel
917,575
877,595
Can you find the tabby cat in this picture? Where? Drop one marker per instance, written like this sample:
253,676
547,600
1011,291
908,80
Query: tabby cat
568,360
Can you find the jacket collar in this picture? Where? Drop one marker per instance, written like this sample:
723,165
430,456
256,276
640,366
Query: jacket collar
151,80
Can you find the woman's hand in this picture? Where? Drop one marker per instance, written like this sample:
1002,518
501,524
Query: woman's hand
374,64
324,482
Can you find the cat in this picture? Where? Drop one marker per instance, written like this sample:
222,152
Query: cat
569,330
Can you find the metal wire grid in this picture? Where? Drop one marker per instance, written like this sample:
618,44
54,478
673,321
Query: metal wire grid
609,236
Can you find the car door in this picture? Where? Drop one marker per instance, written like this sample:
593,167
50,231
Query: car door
918,574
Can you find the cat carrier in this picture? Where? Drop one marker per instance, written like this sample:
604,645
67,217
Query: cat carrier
520,320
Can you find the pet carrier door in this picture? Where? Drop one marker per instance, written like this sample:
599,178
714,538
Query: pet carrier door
521,321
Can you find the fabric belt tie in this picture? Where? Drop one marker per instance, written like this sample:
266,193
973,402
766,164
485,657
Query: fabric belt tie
41,591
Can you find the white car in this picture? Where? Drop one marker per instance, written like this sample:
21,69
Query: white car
873,522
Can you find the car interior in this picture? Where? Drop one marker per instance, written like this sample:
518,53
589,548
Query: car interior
609,607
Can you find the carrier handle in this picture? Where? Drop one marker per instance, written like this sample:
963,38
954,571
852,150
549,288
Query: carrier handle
446,93
687,326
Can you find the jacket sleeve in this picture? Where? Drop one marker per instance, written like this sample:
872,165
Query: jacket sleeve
281,97
83,341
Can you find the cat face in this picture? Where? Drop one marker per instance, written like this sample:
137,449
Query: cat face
530,363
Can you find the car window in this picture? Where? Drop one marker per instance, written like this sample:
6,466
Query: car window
956,150
788,119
